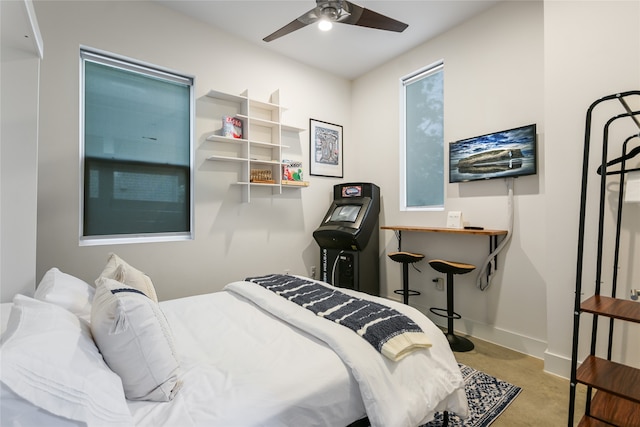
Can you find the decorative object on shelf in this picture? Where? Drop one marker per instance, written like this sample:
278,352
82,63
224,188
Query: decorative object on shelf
292,170
231,127
454,219
325,149
262,176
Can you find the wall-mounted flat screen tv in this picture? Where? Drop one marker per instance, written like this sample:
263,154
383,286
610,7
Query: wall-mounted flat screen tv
508,153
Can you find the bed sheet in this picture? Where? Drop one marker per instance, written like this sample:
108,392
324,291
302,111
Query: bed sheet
244,367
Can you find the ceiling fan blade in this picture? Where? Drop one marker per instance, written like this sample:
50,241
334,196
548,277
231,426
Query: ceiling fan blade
289,28
300,22
360,16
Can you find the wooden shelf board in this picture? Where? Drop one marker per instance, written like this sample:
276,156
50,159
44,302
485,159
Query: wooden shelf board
614,410
611,377
612,307
286,183
588,421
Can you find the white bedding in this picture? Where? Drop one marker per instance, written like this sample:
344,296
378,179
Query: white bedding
404,393
232,353
243,366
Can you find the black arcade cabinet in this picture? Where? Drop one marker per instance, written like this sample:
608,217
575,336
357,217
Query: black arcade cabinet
349,238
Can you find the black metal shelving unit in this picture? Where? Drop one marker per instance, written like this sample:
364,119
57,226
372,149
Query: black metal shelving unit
613,389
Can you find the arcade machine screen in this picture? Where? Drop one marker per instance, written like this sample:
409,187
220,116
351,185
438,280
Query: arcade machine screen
345,213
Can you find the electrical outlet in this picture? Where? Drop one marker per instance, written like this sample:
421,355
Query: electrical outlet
439,281
313,271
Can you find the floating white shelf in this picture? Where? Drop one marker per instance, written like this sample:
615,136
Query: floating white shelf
261,145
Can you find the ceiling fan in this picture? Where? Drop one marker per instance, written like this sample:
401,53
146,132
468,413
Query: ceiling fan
341,11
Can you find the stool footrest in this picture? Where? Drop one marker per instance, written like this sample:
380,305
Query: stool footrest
409,292
438,312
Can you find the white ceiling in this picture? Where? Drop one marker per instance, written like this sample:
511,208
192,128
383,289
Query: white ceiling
347,50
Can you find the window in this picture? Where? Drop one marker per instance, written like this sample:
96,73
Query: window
422,156
136,150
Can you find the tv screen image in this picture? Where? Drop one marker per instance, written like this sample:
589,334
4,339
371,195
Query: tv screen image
345,213
508,153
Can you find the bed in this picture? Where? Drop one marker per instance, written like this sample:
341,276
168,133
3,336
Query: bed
244,356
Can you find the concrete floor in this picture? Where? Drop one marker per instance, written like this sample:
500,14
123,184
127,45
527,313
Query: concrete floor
544,399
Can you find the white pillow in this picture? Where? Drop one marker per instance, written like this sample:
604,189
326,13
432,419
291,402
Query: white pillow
67,291
134,338
118,269
17,412
49,359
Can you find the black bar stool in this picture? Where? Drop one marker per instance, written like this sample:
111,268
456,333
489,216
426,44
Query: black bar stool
405,258
456,342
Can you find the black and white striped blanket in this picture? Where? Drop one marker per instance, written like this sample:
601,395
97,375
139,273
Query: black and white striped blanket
390,332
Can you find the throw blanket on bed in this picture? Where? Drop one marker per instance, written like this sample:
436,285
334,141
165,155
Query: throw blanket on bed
406,393
390,332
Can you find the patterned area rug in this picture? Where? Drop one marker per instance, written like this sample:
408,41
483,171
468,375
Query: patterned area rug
488,397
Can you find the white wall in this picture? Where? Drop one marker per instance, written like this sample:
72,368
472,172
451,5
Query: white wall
518,63
232,239
493,81
592,49
21,52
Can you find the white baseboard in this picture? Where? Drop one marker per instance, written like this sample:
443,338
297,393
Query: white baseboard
557,365
553,363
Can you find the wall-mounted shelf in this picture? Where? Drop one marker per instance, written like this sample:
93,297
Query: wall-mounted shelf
261,144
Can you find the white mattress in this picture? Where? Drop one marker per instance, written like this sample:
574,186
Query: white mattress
233,353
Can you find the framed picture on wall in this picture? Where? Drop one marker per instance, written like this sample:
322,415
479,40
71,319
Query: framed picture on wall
325,149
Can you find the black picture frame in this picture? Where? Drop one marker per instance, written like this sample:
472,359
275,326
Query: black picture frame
325,149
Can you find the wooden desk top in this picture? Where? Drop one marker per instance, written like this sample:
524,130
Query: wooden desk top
444,230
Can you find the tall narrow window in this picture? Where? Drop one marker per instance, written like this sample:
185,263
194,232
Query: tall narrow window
422,167
136,151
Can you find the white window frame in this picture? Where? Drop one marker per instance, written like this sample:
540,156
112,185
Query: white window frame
87,53
404,81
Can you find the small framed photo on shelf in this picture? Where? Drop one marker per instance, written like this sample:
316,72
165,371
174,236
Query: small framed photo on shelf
325,149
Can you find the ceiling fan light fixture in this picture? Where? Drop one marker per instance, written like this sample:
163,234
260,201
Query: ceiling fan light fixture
327,12
325,25
330,12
